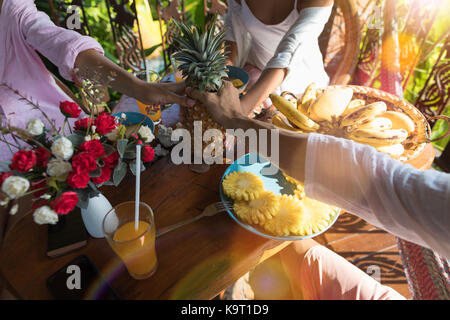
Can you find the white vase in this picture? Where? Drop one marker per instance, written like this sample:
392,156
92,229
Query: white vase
93,215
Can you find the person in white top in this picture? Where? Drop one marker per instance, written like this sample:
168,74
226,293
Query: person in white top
277,43
411,204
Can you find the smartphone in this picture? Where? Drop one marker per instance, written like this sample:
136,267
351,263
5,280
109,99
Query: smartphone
80,280
67,235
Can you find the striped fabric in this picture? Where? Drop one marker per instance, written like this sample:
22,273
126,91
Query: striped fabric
427,273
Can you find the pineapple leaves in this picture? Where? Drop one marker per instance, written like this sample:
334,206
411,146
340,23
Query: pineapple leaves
201,55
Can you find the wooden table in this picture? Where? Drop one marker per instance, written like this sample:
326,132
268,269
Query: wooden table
196,261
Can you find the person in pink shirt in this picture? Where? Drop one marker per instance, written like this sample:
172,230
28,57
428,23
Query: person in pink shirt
25,30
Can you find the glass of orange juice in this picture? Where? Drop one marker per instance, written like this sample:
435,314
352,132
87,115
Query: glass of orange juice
152,111
178,74
136,247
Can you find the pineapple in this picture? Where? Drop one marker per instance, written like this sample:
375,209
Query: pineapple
242,185
202,62
259,210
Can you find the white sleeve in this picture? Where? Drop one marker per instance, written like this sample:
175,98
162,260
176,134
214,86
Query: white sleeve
307,28
409,203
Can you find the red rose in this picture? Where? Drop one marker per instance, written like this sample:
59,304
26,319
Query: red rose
70,109
147,154
84,162
94,147
65,203
106,174
77,180
111,160
105,123
42,156
23,161
3,176
83,124
42,185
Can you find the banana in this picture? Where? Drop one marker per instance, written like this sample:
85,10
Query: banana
308,98
379,138
279,122
353,106
376,124
400,121
330,104
395,150
363,114
293,115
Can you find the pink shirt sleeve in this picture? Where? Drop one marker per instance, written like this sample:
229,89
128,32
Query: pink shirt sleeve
409,203
59,45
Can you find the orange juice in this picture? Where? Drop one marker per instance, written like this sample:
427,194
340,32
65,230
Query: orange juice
136,248
153,112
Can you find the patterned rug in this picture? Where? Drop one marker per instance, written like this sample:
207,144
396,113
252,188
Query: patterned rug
427,273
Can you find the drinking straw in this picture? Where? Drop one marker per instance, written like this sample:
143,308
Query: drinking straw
138,186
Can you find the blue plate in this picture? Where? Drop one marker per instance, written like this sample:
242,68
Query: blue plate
239,73
136,118
275,182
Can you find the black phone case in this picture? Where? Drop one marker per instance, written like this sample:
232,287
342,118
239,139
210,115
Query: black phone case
92,285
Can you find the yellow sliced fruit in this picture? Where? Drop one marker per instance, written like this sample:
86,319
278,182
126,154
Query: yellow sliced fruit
287,219
330,105
259,210
242,185
293,115
315,218
400,120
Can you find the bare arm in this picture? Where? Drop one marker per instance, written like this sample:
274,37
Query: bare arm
91,62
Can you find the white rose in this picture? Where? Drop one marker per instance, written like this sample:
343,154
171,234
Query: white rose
45,215
58,167
15,186
35,127
113,135
146,133
62,148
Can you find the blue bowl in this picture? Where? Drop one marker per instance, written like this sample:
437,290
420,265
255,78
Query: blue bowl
275,182
136,118
239,73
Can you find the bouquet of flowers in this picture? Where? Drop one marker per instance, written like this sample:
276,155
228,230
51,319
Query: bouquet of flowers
62,170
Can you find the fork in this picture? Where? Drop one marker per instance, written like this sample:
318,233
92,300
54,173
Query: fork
209,211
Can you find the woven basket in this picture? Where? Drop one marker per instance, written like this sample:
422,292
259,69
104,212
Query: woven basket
418,140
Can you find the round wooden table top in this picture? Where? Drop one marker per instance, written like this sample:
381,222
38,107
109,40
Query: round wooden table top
197,261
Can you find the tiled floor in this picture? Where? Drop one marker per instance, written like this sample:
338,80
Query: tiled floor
370,249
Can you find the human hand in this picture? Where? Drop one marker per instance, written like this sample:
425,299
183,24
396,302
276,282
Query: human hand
163,93
223,106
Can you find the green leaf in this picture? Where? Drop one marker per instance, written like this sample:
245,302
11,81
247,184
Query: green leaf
133,167
76,139
119,172
150,50
95,173
122,146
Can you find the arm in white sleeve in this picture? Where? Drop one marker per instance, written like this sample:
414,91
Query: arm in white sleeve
308,27
409,203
